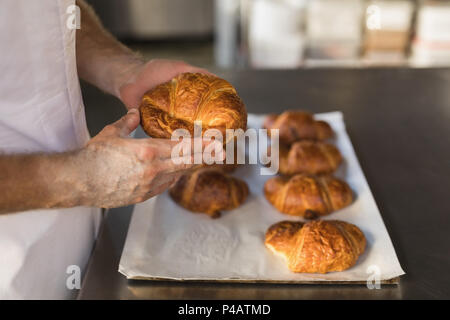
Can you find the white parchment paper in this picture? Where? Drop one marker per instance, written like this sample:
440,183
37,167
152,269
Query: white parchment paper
168,242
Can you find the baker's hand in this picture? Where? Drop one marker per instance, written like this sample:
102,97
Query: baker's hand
146,76
117,170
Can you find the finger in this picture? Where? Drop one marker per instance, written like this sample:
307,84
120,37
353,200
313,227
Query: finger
185,162
131,95
180,164
160,184
201,70
128,123
185,67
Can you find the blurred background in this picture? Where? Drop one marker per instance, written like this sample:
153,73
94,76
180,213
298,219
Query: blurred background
284,33
224,35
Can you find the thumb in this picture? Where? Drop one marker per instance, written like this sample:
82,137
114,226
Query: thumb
128,123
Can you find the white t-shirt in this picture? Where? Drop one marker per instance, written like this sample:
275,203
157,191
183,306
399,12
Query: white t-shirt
41,110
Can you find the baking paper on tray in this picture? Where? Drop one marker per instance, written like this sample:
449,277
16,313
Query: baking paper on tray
165,241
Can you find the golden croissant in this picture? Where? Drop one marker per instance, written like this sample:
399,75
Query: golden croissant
209,191
306,156
297,125
190,97
316,246
308,196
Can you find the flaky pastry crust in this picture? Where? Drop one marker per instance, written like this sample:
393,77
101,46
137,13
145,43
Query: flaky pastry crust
317,246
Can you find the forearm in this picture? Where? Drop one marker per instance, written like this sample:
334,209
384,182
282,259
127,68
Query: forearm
39,181
101,59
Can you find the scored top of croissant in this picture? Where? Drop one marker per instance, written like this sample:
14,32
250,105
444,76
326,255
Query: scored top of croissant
209,191
190,97
312,157
317,246
297,125
307,196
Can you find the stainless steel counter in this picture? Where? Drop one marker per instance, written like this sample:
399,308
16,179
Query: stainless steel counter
399,123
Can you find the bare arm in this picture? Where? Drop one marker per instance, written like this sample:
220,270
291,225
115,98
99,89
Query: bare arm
38,181
101,59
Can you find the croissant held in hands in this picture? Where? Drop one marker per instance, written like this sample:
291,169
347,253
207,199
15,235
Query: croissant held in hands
316,246
297,125
308,196
190,97
209,191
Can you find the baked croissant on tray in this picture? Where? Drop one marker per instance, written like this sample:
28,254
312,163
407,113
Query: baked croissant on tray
209,191
190,97
316,246
297,125
306,156
308,196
